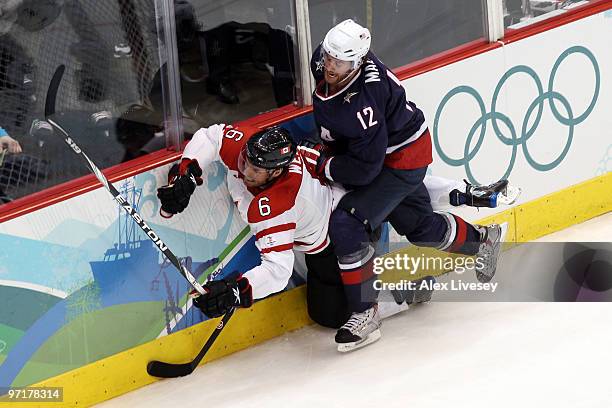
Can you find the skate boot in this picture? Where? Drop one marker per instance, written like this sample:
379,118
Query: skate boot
360,330
403,299
489,196
423,291
388,307
492,238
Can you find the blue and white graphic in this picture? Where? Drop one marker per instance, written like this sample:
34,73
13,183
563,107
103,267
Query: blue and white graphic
95,285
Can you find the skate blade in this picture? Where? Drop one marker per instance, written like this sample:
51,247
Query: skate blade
510,196
502,239
372,337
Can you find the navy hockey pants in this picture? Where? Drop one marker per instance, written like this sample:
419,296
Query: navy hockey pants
400,197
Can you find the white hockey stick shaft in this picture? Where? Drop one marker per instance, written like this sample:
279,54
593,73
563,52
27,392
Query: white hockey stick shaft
152,235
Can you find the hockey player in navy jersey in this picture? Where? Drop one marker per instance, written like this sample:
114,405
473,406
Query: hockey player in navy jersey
379,146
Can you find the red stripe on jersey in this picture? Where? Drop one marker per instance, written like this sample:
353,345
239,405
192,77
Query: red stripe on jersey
460,236
414,156
278,248
319,247
277,228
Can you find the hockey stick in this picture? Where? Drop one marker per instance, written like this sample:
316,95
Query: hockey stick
169,370
50,110
154,368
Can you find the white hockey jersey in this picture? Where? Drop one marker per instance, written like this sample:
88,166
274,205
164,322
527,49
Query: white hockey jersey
291,213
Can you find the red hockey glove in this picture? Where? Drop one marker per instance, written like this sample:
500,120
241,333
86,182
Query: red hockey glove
317,156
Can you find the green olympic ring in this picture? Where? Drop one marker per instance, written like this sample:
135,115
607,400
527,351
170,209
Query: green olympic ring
526,131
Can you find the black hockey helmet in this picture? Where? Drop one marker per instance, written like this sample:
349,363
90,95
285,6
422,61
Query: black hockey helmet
271,149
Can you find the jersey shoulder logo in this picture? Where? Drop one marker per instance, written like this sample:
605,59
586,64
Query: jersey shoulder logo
348,96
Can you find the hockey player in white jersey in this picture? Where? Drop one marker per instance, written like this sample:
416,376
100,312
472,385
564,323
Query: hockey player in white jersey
276,189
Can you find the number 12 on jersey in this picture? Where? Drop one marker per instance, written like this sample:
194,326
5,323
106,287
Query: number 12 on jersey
368,113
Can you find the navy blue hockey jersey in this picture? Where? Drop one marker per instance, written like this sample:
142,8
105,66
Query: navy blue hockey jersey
369,123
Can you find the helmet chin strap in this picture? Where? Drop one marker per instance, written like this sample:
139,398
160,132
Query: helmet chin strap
347,76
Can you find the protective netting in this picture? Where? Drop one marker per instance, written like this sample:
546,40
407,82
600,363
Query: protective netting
110,52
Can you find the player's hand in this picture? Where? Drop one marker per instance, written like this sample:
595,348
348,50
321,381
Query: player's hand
224,294
314,148
175,195
311,143
317,155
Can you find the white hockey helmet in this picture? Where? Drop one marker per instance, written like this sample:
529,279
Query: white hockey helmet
347,41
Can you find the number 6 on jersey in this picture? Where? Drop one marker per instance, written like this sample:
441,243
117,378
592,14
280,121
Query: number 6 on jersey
264,209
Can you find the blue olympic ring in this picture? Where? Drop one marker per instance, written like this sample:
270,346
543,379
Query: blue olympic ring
553,97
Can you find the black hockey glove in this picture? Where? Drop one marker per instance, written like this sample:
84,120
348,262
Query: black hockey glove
224,294
175,195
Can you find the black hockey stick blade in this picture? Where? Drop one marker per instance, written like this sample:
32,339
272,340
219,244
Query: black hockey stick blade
167,370
52,91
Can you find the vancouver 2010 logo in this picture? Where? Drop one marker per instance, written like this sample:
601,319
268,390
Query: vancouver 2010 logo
557,102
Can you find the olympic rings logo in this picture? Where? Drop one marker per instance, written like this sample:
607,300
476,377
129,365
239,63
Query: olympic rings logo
570,119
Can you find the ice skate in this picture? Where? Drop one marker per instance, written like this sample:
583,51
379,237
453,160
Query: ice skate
491,196
423,291
403,299
360,330
490,247
388,308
